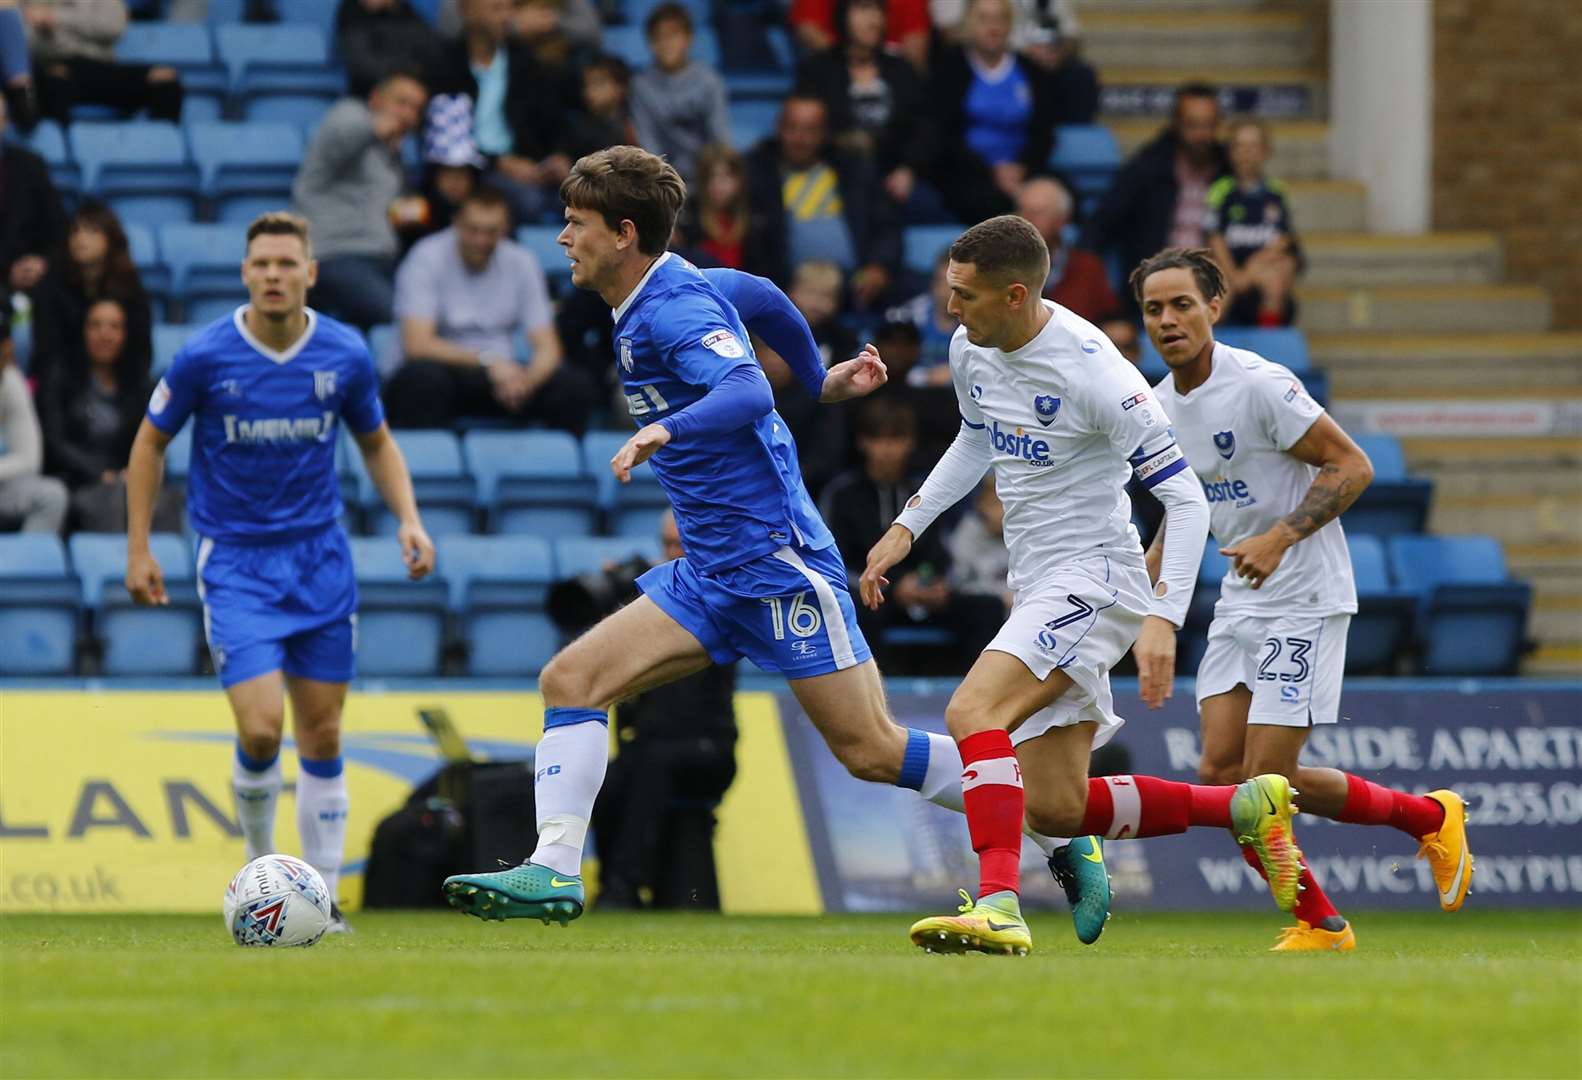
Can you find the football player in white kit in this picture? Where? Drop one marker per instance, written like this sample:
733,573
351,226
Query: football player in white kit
1064,420
1278,472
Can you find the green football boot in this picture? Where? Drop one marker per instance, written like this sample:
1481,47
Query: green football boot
1260,815
528,891
993,924
1079,869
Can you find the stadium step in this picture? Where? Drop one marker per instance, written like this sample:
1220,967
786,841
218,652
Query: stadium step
1328,206
1563,659
1439,366
1514,518
1436,258
1143,36
1424,309
1469,480
1301,147
1556,621
1294,93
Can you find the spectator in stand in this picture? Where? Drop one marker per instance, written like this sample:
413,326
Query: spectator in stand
462,295
875,101
979,560
28,499
33,225
816,25
1160,196
375,36
578,20
90,417
605,118
348,186
859,506
1249,232
73,44
1047,33
929,312
541,26
1123,335
96,265
518,107
995,113
713,223
816,290
1077,279
452,168
812,202
16,66
678,104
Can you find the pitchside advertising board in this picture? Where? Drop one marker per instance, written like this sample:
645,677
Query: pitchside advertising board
119,801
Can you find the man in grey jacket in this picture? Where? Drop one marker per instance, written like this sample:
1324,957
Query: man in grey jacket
349,188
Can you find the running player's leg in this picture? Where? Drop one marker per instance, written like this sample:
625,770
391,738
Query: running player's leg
322,803
259,707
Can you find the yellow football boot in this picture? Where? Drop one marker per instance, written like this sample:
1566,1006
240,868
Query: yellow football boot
1447,853
1305,938
993,924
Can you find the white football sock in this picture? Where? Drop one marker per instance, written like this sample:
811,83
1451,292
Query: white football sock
940,782
321,817
568,770
255,792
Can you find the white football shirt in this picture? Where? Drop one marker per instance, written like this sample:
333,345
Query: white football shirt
1235,430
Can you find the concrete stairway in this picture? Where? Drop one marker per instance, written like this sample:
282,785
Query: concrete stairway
1392,320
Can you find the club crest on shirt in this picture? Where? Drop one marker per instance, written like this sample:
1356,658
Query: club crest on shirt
1225,443
626,354
1046,406
324,385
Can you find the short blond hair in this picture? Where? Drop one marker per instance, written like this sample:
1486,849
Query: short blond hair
818,274
281,223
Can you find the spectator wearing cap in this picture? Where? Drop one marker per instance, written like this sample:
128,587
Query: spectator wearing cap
33,226
28,499
816,25
1159,198
605,118
1250,233
812,201
349,183
375,36
1077,279
1047,33
678,103
73,46
462,296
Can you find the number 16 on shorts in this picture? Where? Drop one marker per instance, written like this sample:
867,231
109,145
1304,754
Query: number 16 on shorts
794,613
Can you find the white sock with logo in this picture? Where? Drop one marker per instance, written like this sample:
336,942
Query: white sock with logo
255,789
322,807
940,780
568,770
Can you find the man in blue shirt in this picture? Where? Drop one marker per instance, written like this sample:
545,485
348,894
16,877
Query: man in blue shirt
267,389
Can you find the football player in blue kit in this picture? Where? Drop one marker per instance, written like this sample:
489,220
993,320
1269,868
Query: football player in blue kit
267,389
761,578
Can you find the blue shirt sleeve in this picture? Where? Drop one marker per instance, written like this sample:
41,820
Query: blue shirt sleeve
769,313
362,409
738,399
178,393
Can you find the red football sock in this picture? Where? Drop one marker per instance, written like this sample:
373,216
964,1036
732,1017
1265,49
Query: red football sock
1137,806
991,788
1312,904
1368,803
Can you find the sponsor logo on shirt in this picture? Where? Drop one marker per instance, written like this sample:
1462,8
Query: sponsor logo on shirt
1020,444
1147,415
724,343
1090,346
1221,490
280,429
1135,400
1225,443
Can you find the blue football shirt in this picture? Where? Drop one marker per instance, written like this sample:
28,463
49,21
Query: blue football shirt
265,424
738,496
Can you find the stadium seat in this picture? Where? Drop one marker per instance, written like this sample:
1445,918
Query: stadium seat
498,587
1285,345
400,623
221,12
254,54
749,78
301,111
178,456
531,482
144,250
575,556
384,342
316,12
245,168
205,263
1395,502
1471,617
40,606
922,244
168,340
48,141
446,494
189,49
139,167
140,640
642,498
1088,156
753,121
1384,616
541,241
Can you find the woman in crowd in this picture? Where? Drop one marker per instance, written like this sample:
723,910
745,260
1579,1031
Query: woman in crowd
714,228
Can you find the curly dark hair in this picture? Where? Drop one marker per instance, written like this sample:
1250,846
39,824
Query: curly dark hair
1205,271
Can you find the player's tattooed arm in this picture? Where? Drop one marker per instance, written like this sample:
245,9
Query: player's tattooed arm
1343,472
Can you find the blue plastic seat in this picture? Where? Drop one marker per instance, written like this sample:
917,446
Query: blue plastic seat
446,493
400,623
140,640
168,340
540,240
248,163
532,481
301,111
40,606
189,49
178,456
139,167
1384,616
642,497
1088,156
278,58
923,244
575,556
205,263
499,585
752,121
384,342
144,249
1471,617
1285,345
316,12
48,141
1395,502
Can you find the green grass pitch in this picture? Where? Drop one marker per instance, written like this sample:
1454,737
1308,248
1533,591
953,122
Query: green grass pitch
1482,993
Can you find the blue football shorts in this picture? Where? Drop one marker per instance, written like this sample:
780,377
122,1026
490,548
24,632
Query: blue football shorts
289,606
789,611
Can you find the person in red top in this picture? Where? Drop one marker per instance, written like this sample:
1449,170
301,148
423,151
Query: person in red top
714,230
814,24
1077,280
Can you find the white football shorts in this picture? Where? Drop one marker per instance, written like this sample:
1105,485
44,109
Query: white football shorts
1293,664
1081,619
